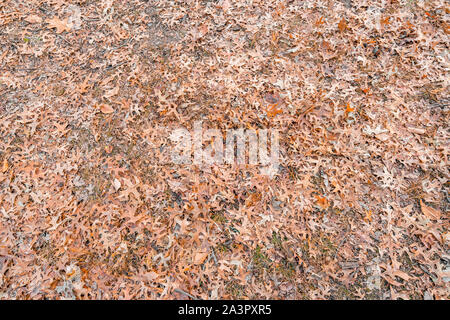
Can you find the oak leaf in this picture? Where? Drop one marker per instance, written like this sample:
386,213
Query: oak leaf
342,25
60,25
322,202
429,211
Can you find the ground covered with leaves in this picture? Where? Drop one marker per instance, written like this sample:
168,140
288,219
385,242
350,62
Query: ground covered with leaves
90,208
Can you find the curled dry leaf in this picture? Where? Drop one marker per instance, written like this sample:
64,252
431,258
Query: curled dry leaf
430,212
5,165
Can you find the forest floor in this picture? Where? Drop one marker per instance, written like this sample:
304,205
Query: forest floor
91,207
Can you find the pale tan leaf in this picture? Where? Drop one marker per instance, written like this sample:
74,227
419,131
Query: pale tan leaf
112,92
106,108
200,257
33,19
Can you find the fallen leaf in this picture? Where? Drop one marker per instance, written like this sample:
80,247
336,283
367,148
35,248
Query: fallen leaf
200,257
429,211
117,184
416,130
111,92
60,25
342,25
348,108
33,19
402,275
106,108
322,202
5,165
225,5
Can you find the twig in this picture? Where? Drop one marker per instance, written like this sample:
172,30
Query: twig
432,276
63,39
339,246
115,66
214,256
186,294
120,46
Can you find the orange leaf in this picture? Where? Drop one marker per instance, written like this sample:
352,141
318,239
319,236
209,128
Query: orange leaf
368,216
5,165
348,108
272,110
322,202
108,148
342,25
385,20
320,21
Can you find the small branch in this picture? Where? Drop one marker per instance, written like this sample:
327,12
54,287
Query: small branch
186,294
214,256
63,39
115,66
339,246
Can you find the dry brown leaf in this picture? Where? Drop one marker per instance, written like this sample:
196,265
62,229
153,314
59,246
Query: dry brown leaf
429,211
402,275
60,25
357,122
